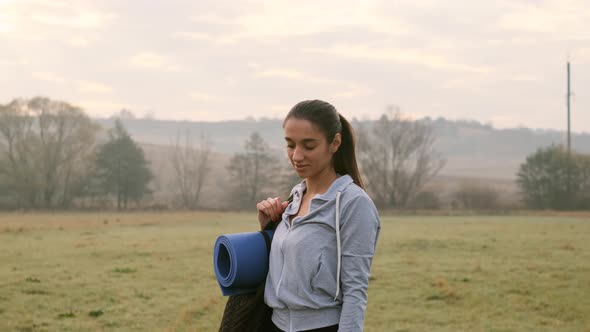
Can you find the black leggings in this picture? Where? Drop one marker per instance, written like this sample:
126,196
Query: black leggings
333,328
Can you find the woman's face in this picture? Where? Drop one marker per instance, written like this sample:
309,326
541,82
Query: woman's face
307,148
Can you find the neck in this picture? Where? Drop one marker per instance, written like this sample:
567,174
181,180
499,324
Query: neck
320,183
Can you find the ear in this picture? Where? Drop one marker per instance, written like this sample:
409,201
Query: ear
335,145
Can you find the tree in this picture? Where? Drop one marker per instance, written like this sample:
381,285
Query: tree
122,168
191,165
18,155
398,158
551,178
252,172
583,197
46,148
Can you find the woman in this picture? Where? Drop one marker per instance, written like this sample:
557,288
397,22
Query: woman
322,248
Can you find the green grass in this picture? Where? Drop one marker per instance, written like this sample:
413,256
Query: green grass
153,272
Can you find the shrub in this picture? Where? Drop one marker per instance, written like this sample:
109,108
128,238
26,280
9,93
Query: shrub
552,178
426,200
476,196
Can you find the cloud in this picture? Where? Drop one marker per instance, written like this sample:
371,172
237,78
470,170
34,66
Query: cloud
467,56
48,77
303,18
293,74
210,18
279,108
581,55
342,89
73,20
269,20
6,24
352,92
193,35
204,37
420,57
102,107
282,73
13,63
37,20
523,78
79,41
152,60
200,96
93,87
230,81
553,18
148,60
53,13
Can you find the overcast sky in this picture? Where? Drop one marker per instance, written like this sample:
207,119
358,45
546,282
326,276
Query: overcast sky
501,62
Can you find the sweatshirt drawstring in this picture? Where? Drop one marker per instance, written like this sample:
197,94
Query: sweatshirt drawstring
338,245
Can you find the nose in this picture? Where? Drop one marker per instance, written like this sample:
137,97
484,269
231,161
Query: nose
297,154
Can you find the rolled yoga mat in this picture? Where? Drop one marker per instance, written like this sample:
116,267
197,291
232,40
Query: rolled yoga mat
241,261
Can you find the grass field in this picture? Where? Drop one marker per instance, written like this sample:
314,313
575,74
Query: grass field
153,272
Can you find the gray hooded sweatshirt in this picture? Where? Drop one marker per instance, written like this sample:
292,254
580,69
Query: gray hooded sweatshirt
319,271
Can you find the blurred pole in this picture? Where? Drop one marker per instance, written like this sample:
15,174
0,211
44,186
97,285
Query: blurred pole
569,141
569,94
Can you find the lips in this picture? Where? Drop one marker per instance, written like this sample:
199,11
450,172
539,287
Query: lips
300,166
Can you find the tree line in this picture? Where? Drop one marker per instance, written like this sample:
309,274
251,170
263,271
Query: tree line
53,156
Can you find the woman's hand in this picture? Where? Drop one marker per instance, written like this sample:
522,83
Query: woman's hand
270,209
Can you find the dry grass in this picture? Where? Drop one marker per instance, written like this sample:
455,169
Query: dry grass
153,271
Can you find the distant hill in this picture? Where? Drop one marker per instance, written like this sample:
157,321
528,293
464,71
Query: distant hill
472,149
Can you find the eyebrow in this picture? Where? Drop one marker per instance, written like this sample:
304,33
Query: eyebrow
305,140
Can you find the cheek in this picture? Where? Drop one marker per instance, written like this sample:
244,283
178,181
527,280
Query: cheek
318,156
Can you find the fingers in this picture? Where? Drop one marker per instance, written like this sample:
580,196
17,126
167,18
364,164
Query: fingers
266,208
278,206
275,207
271,208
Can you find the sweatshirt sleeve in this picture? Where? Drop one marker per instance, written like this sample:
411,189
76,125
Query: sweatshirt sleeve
359,232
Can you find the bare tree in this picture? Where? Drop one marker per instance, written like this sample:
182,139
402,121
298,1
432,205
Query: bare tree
252,172
191,163
48,146
397,158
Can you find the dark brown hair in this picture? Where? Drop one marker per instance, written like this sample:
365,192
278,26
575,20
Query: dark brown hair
327,119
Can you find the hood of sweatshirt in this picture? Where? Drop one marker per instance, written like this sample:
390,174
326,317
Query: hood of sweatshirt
339,185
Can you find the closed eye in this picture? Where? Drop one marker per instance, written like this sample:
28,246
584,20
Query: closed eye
290,146
308,143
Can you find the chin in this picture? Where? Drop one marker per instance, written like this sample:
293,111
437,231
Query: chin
301,172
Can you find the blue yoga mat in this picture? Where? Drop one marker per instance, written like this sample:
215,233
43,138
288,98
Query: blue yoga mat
241,262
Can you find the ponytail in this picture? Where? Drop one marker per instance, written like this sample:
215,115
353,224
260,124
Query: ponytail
345,157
